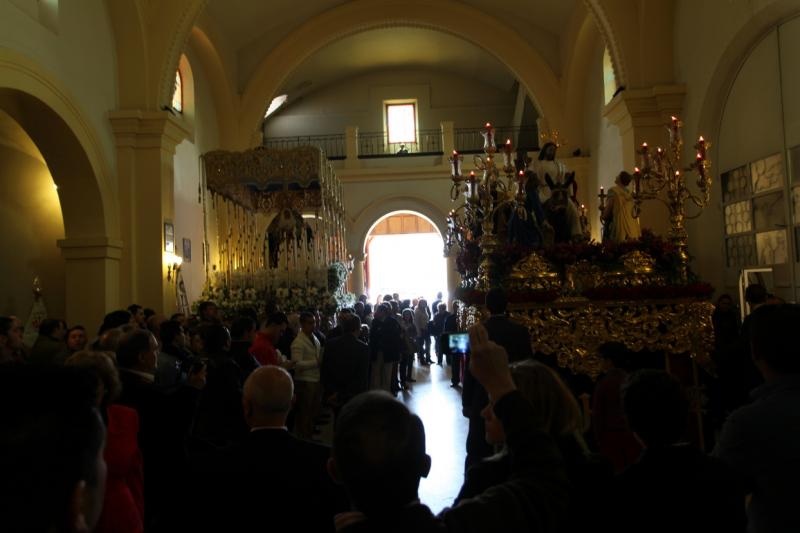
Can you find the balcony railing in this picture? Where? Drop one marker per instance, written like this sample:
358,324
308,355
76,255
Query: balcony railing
333,145
470,140
429,142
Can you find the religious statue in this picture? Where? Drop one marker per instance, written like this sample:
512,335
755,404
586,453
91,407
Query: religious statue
554,173
528,231
617,217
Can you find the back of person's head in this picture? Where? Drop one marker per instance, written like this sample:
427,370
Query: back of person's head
52,474
168,331
625,178
216,338
267,393
103,366
656,407
131,345
496,301
615,352
242,327
755,294
48,326
133,309
379,453
351,324
774,337
115,319
553,402
387,298
277,318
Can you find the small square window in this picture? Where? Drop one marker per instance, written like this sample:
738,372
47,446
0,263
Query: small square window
401,123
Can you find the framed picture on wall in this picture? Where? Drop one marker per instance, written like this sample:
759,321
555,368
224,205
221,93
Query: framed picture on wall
187,250
169,237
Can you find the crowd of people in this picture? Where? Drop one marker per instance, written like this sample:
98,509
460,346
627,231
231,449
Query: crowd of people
212,422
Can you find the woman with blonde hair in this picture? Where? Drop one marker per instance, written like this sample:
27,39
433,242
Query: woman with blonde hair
557,409
123,507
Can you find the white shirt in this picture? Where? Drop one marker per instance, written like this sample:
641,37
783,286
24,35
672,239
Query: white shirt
307,356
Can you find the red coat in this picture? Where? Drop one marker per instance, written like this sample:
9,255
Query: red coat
263,350
123,508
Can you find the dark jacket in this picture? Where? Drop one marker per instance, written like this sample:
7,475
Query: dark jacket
48,351
165,420
220,419
679,488
385,336
272,478
345,367
532,498
240,352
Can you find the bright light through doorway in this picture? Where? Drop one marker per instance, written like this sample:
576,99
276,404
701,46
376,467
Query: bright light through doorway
411,264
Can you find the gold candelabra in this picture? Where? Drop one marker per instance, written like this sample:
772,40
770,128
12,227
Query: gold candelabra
486,196
661,177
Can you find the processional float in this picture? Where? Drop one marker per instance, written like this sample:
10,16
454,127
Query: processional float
576,295
275,219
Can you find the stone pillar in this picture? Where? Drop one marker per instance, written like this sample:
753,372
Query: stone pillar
448,138
92,279
642,116
351,147
357,276
146,144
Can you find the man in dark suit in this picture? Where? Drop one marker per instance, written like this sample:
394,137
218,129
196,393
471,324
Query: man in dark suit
270,469
385,343
345,364
674,486
165,418
517,342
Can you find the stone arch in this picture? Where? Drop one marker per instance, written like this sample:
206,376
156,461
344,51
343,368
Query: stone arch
217,79
733,58
73,155
378,210
603,22
448,16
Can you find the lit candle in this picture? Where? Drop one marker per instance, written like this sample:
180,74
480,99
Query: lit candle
645,156
507,149
488,136
637,179
701,147
455,165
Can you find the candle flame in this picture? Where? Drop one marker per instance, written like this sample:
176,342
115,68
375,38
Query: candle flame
508,141
702,140
488,125
636,170
674,118
644,145
455,152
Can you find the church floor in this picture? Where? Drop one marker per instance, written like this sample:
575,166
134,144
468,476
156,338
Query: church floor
439,407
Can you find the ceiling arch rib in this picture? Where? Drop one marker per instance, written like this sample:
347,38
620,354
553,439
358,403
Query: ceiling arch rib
444,16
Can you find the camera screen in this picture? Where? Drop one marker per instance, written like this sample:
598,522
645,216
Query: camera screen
458,342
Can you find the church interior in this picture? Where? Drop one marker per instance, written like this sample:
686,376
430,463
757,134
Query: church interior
622,173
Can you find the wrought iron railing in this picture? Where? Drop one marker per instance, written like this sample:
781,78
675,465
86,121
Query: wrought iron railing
376,144
470,140
332,145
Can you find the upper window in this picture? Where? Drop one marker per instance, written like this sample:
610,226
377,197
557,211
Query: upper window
401,122
177,94
609,81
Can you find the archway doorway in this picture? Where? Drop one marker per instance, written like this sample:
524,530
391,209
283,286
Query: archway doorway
30,206
52,138
404,255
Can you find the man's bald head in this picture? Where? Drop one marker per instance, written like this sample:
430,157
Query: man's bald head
267,396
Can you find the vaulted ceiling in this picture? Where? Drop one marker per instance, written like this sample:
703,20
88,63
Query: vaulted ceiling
252,29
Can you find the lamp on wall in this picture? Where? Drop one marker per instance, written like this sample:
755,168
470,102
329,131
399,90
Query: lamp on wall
173,263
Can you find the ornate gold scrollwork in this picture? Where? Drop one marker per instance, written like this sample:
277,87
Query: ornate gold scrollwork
534,273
